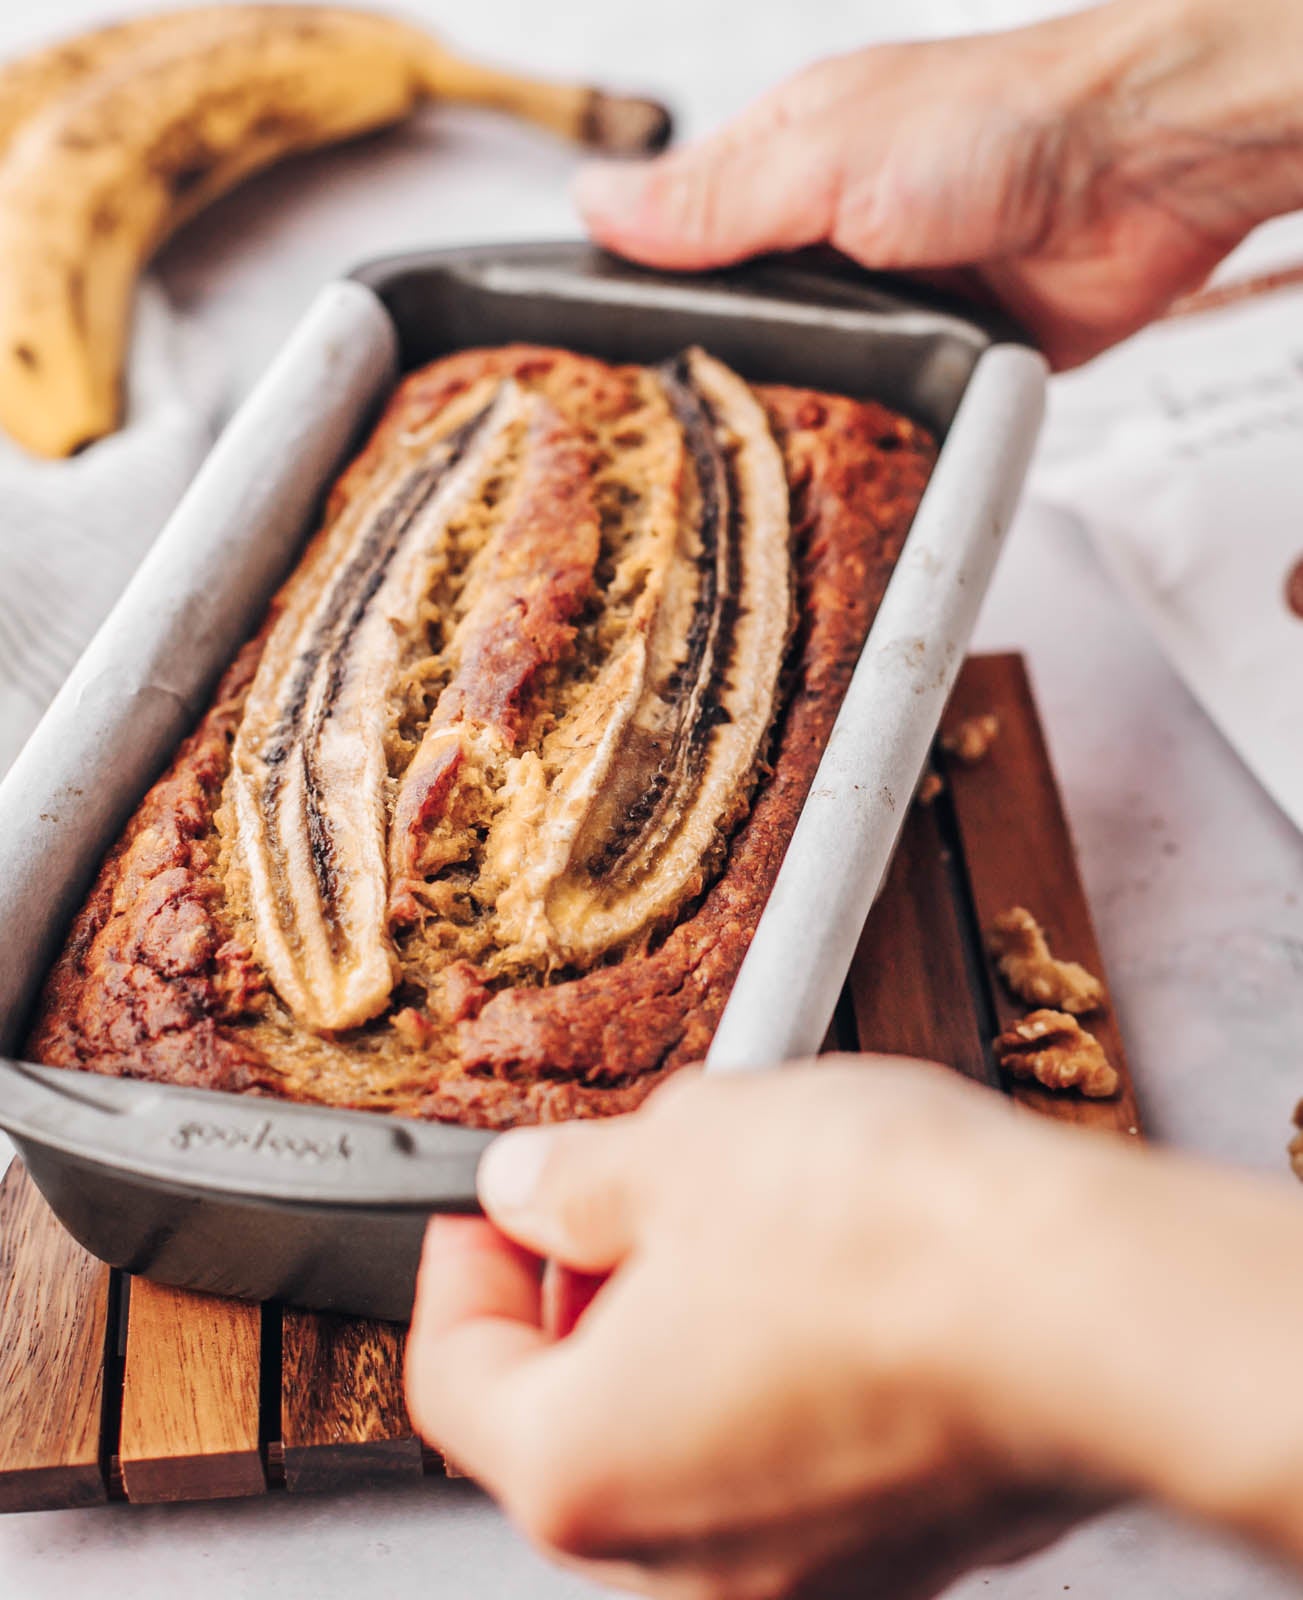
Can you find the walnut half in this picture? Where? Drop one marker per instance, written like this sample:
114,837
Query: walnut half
970,740
1055,1050
1018,943
1296,1143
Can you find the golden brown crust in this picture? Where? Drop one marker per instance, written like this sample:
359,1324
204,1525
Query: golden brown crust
152,984
149,978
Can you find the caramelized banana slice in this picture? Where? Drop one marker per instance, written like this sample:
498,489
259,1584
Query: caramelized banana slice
548,794
663,753
581,797
309,766
522,592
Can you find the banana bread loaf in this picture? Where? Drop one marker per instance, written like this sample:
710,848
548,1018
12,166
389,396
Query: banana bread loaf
479,825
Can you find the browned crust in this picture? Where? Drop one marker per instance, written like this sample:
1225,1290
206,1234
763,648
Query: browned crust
150,985
148,979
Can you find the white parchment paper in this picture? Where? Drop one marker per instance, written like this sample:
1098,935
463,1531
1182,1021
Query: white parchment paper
1183,454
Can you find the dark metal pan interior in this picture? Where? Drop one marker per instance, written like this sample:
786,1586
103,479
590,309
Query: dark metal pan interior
812,319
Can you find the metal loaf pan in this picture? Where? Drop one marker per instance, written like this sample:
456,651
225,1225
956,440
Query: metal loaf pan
325,1208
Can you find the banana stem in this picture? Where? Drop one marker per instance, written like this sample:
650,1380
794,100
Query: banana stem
614,124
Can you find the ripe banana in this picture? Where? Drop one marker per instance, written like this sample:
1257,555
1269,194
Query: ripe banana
33,82
109,144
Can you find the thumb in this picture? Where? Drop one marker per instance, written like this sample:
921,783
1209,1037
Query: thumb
568,1192
742,192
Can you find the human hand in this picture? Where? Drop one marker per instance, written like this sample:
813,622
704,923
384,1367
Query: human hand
862,1326
772,1391
1081,173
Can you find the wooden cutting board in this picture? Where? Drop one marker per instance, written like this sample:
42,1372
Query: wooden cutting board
114,1388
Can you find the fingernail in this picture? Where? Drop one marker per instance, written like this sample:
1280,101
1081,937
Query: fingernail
509,1170
601,187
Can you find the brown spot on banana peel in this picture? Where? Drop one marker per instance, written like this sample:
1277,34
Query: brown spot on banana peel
77,299
32,83
185,180
105,220
246,84
82,128
92,150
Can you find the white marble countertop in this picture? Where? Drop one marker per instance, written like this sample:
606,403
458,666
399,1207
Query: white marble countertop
1195,878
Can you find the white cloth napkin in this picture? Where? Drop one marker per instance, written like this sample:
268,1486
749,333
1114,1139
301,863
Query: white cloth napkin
72,532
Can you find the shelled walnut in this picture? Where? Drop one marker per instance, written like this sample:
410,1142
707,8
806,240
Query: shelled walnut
1296,1143
1055,1050
970,741
1033,973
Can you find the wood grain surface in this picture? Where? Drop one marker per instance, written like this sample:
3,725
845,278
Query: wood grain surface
911,982
190,1394
343,1418
53,1314
213,1393
1018,851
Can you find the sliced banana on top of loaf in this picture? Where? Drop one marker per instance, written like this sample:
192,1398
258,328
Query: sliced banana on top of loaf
517,697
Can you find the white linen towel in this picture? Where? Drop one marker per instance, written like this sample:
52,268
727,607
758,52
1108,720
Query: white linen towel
72,532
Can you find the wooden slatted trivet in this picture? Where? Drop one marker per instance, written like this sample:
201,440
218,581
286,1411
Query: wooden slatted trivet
112,1389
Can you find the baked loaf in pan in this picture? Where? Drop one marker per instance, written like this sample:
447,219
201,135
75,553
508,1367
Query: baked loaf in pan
480,824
